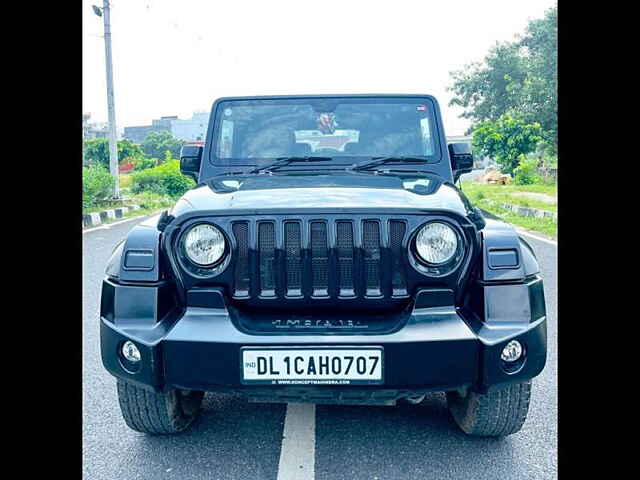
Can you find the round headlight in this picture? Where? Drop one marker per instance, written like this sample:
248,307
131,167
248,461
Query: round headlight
436,243
204,244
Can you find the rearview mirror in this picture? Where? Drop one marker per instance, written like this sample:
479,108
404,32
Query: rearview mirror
461,159
190,159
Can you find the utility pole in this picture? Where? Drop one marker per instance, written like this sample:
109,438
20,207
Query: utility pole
113,135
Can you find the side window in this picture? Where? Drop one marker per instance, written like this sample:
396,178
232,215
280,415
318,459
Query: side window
427,140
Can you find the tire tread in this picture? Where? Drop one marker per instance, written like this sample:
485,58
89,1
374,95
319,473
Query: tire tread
150,412
495,414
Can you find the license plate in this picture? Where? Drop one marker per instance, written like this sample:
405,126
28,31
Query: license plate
312,366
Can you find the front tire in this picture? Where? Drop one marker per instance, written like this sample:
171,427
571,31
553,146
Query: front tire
156,413
496,414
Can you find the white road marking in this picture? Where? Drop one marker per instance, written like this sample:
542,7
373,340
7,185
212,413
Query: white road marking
527,234
297,455
107,226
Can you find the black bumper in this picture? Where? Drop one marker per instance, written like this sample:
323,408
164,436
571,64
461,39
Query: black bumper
437,349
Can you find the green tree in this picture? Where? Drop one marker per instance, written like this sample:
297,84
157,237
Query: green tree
518,76
538,94
487,90
96,150
506,140
156,144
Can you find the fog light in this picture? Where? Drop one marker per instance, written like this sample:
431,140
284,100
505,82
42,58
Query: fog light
512,351
130,352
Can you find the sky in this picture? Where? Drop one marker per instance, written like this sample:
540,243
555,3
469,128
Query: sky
174,57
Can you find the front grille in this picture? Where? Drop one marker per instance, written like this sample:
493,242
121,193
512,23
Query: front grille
320,259
241,274
344,244
293,252
398,275
266,255
371,250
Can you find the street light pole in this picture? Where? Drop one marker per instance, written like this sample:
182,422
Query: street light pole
113,136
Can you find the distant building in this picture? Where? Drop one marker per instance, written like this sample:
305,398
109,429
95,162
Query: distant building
193,129
138,134
93,130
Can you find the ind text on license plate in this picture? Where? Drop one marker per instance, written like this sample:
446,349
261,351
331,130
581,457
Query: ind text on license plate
312,366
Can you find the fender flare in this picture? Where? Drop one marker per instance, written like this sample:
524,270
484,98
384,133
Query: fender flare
506,256
140,255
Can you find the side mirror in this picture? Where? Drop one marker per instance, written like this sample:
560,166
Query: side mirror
461,159
190,159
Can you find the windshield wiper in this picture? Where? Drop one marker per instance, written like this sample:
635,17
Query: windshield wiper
284,161
224,174
376,161
392,171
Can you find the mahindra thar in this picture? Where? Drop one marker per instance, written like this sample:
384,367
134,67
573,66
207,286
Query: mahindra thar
324,256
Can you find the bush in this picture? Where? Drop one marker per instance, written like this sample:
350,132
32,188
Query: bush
526,171
97,185
164,179
96,150
142,163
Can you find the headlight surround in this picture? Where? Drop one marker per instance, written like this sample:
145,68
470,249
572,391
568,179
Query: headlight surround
204,245
437,243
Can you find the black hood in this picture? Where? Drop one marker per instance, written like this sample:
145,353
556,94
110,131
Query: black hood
348,190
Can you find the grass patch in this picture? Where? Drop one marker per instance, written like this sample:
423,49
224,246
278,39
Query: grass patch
148,202
477,192
489,198
152,201
547,226
105,206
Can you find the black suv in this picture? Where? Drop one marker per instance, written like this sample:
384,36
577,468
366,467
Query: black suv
325,256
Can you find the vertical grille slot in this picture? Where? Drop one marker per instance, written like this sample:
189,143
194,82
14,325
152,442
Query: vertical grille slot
319,260
344,245
293,259
266,254
371,250
241,278
397,231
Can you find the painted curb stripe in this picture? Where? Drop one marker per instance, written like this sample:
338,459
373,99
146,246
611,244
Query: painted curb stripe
97,218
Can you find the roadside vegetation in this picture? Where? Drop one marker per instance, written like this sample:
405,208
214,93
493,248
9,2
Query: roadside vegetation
490,198
510,97
514,195
150,174
546,226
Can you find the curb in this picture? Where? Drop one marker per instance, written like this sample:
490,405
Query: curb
97,218
529,212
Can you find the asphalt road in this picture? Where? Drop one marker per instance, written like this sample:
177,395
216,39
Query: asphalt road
235,439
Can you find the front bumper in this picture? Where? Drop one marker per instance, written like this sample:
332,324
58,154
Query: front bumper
198,348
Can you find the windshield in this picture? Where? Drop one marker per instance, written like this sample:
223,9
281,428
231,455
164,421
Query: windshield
251,132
